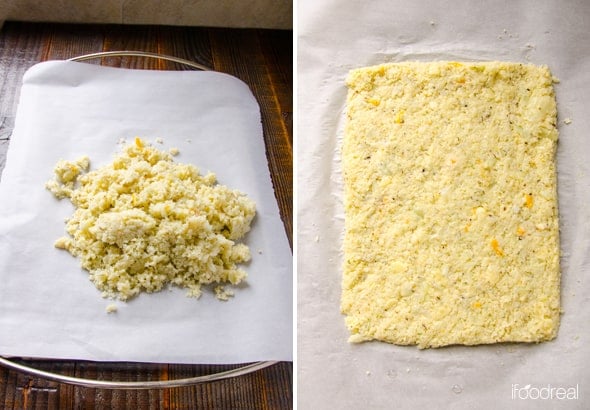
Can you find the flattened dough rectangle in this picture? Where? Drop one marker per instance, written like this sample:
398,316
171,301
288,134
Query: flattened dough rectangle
450,204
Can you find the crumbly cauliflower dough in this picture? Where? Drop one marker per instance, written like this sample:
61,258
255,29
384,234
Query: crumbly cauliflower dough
144,221
450,204
66,174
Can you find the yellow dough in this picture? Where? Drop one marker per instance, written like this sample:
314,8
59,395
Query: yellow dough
451,204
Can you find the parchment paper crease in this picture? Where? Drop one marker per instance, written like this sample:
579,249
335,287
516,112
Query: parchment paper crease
48,307
334,37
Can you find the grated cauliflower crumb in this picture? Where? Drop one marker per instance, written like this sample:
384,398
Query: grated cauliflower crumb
222,293
66,173
144,221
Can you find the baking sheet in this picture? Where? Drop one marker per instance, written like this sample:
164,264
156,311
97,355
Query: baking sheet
334,37
48,306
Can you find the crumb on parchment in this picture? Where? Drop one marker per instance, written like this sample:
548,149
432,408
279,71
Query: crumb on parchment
144,221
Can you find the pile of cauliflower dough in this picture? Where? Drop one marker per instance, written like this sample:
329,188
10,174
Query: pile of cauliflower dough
144,221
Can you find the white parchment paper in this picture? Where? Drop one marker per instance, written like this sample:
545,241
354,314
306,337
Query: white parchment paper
48,307
334,37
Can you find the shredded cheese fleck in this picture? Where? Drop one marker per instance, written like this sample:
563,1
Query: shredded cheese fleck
496,247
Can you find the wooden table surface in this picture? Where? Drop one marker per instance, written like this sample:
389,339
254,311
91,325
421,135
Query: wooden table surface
261,58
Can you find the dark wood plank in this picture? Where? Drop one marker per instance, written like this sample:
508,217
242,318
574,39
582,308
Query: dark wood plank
104,398
19,390
277,48
67,41
134,38
269,388
190,43
19,50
